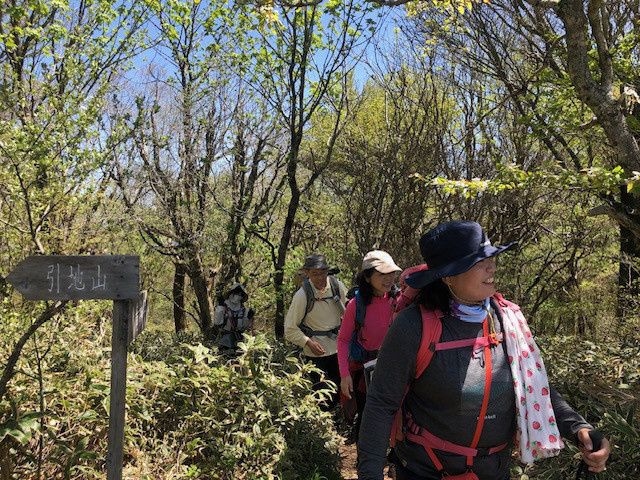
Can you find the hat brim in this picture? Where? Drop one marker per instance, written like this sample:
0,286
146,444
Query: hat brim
315,266
384,269
237,287
423,278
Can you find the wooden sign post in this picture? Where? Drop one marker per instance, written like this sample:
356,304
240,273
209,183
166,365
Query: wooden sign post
81,277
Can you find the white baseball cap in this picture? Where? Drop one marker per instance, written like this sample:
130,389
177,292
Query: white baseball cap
381,261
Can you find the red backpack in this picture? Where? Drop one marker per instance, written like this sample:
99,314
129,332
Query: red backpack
429,344
431,331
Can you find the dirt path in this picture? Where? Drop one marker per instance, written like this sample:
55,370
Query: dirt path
348,455
348,461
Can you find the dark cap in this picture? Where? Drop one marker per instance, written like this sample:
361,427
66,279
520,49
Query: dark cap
315,260
237,288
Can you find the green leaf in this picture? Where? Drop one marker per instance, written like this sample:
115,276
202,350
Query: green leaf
22,429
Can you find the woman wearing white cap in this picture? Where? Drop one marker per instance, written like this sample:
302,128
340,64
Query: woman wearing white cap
365,322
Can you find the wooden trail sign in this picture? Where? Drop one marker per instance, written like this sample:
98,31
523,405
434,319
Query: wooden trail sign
86,277
137,316
79,277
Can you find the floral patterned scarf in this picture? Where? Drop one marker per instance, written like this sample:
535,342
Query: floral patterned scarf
537,434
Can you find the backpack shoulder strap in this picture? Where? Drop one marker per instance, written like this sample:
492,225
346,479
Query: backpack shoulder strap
335,293
228,322
360,310
309,295
431,331
335,288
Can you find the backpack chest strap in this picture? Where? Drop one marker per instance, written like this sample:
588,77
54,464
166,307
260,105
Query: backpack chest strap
478,342
309,332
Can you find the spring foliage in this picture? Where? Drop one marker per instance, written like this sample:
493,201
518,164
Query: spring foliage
191,414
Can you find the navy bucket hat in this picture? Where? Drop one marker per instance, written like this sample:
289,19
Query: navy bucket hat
452,248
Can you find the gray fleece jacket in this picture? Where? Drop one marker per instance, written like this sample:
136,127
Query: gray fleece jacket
446,400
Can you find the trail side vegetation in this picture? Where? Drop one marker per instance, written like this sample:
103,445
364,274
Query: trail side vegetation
224,141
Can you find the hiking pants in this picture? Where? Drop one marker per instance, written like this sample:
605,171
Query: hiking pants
329,365
403,473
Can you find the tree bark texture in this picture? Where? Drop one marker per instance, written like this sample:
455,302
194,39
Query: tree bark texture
179,312
583,29
198,275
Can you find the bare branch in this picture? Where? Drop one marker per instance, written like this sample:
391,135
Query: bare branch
9,369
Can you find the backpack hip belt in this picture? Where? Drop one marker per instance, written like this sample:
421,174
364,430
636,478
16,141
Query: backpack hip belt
422,436
319,333
358,365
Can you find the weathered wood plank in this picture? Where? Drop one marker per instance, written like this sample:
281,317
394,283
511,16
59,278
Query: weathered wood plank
138,315
77,277
117,400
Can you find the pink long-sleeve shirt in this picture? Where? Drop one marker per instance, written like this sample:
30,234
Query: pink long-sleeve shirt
377,319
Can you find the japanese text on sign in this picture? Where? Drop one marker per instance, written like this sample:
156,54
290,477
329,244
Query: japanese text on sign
71,277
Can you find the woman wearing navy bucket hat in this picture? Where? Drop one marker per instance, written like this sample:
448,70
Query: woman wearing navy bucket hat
462,374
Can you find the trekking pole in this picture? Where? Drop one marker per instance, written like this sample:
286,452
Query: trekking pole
596,440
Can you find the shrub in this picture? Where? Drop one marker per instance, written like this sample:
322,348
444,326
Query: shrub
248,417
602,382
190,413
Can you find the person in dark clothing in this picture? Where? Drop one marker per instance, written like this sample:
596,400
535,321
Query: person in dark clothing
485,390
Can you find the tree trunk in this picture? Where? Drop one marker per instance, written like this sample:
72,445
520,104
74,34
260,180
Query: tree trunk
596,92
278,278
6,465
628,274
179,315
231,268
198,278
205,305
278,282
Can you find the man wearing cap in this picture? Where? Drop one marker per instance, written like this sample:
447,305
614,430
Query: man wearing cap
313,320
